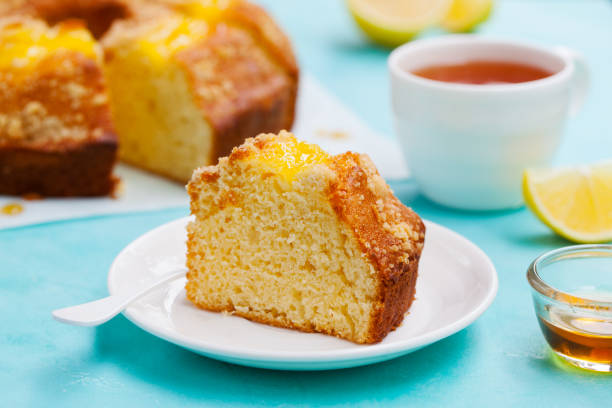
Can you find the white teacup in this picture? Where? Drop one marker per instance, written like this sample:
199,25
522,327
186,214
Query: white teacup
467,145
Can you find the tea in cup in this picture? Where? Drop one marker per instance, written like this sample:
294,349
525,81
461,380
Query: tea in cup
472,113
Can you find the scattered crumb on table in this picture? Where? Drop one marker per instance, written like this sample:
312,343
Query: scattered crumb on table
32,197
119,188
332,134
11,209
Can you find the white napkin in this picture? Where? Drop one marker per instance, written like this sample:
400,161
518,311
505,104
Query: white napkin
321,118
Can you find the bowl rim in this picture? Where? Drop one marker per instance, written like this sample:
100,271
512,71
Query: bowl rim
539,285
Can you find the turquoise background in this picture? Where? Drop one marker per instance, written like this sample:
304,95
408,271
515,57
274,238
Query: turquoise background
501,360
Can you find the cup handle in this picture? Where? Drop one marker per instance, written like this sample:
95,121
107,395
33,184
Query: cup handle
580,81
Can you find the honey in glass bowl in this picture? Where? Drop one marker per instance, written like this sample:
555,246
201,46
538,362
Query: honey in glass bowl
572,295
578,338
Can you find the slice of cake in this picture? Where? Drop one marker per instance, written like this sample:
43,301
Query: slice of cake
194,81
288,235
56,136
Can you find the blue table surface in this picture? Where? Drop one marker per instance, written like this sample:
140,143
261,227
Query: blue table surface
500,360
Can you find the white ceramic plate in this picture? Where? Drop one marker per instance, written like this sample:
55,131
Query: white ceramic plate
456,284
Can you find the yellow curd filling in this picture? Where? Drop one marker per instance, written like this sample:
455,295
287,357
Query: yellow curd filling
208,10
169,36
291,158
192,23
23,44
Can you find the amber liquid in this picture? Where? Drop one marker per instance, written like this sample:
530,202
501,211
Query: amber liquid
483,73
581,338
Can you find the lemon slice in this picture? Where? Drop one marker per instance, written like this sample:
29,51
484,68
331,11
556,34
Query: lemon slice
464,15
575,202
393,22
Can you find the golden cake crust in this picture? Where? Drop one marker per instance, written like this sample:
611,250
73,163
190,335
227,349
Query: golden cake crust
240,90
269,33
53,111
271,38
389,234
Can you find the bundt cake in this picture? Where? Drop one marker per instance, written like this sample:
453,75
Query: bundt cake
56,135
287,235
188,86
187,81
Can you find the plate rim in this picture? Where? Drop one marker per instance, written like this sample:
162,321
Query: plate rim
359,352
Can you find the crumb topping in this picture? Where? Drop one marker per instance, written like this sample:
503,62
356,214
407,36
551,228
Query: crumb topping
34,123
229,67
280,154
391,234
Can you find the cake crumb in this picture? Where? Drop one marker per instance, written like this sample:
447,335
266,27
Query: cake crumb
332,134
11,209
119,188
32,197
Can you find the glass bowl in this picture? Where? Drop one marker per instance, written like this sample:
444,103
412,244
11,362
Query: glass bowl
572,297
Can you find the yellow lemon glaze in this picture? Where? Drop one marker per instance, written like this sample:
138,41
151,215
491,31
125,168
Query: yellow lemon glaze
170,36
291,158
208,10
24,43
178,32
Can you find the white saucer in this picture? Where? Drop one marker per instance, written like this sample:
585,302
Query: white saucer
456,284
